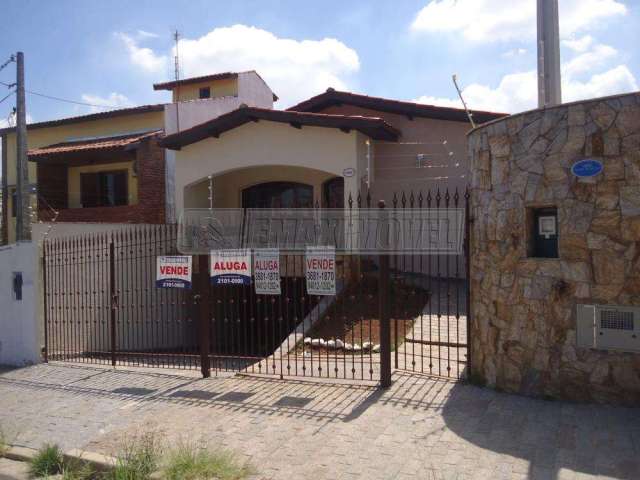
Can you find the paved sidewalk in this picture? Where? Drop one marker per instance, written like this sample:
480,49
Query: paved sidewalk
421,428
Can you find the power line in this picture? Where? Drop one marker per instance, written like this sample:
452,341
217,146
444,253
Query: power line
4,98
12,58
59,99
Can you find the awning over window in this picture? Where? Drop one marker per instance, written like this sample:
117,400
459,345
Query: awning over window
103,144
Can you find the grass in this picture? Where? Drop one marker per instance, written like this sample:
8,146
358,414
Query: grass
48,461
189,462
138,457
78,470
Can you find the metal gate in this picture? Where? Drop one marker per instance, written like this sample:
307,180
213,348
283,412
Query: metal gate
406,311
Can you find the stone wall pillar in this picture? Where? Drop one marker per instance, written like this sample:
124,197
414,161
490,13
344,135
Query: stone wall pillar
524,309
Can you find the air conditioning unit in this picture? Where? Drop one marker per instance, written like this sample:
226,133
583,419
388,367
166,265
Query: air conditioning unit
608,327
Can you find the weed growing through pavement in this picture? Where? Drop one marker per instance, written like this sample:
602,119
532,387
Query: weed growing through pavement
47,462
138,457
189,461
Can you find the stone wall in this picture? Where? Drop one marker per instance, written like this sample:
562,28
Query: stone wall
524,309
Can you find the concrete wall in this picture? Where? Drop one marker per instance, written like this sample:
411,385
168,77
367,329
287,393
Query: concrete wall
253,90
248,89
523,336
20,332
394,163
268,144
190,113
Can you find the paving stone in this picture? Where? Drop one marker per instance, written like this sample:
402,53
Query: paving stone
421,428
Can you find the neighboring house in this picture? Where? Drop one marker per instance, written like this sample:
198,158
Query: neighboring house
108,167
321,151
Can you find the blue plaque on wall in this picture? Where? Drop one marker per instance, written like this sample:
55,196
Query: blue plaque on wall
587,168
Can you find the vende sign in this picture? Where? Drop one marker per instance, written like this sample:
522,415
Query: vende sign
320,270
231,267
173,272
266,264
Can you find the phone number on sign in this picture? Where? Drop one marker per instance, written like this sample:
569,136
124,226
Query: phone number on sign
229,281
318,276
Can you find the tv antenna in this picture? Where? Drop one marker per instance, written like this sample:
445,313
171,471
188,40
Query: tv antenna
469,114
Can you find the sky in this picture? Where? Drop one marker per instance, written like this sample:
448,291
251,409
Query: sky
109,53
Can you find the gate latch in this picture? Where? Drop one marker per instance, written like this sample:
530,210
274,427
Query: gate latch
114,302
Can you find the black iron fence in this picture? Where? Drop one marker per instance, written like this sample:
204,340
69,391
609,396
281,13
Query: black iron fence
404,311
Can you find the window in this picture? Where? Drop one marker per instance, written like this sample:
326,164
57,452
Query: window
104,189
278,195
205,92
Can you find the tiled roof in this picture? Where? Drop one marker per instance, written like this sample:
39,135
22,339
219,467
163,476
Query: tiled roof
170,85
334,97
374,127
92,116
105,143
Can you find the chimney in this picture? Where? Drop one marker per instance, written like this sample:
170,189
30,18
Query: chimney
549,91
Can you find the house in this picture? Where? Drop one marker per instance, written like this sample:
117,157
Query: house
145,164
321,151
108,167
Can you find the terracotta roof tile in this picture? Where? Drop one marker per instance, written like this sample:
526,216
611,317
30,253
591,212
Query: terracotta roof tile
374,127
91,117
105,143
334,97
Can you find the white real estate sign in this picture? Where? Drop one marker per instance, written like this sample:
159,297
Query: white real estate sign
320,270
173,271
231,267
266,265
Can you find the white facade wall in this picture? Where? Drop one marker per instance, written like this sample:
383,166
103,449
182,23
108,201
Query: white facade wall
252,91
20,332
273,144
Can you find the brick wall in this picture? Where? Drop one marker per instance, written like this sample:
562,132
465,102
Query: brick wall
151,192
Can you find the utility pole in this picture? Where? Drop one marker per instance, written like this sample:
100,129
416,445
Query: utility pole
549,84
176,74
23,227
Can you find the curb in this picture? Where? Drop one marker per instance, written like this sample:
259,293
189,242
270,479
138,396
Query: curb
99,462
20,454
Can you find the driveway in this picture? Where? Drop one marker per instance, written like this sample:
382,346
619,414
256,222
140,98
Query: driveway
420,428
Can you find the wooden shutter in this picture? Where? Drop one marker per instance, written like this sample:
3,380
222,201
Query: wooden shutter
120,188
89,189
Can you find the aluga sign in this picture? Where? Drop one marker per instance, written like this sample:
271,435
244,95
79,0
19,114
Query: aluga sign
266,262
231,267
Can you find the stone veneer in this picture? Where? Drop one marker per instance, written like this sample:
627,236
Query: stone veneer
523,336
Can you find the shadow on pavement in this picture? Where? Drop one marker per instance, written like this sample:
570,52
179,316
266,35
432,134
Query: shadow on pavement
532,438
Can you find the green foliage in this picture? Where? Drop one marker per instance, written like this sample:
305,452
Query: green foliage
138,457
188,462
78,470
48,461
